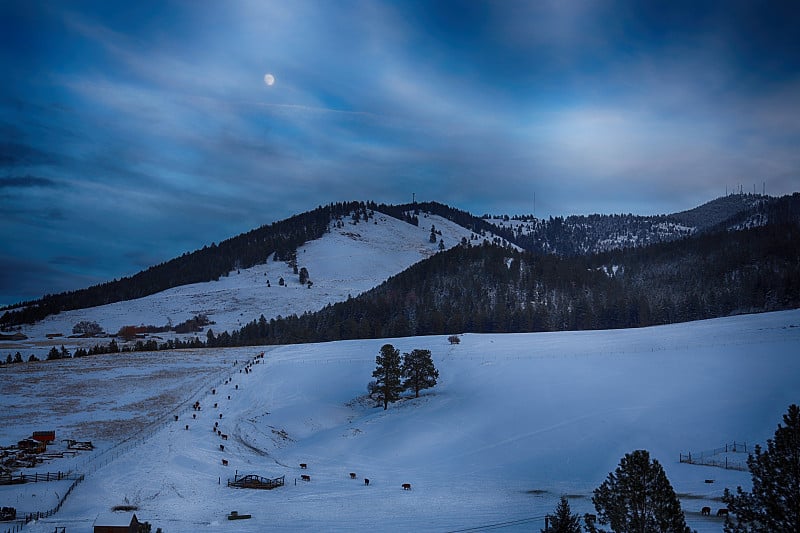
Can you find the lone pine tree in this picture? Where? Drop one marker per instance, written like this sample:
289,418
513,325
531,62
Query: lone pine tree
774,504
387,375
563,521
419,371
638,498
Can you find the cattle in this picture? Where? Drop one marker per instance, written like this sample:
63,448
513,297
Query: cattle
406,486
224,436
366,481
722,512
222,447
352,475
303,466
220,416
194,415
305,477
705,511
224,462
215,406
187,427
176,418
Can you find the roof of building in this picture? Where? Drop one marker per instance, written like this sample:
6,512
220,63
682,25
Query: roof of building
115,519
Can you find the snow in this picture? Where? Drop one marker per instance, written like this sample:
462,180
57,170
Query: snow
516,421
344,262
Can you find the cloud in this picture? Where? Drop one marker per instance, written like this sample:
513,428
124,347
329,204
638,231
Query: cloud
27,182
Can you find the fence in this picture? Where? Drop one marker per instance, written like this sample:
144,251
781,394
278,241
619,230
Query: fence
99,460
37,477
711,457
37,515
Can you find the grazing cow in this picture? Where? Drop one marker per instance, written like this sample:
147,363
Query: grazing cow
176,418
237,387
224,462
194,415
215,406
305,477
303,466
222,447
224,436
722,512
406,486
366,481
187,427
216,424
705,511
220,416
352,475
213,391
229,396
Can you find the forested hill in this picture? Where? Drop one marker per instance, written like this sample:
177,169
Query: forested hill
570,236
578,235
278,241
494,289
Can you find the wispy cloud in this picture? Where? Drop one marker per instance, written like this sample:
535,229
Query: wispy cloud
27,182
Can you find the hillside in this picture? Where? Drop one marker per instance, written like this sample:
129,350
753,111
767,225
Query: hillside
516,421
350,258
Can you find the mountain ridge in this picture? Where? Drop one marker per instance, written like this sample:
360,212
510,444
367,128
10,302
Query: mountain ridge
574,235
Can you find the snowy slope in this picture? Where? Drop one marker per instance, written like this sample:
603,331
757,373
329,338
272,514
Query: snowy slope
516,421
345,262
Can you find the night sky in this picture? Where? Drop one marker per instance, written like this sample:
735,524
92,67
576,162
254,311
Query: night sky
132,132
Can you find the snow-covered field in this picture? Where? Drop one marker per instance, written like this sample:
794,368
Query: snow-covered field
516,421
345,262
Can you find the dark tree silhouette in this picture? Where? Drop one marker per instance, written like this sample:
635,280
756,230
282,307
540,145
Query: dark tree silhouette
774,503
638,498
387,375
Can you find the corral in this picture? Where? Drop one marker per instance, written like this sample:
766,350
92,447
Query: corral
253,481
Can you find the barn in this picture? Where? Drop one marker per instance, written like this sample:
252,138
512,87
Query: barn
116,523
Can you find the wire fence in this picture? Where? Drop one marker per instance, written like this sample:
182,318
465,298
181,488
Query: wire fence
719,457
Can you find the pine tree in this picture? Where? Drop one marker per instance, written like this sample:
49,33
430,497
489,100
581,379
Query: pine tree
563,521
387,373
774,504
419,371
638,498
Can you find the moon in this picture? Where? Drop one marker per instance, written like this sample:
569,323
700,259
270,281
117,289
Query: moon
269,79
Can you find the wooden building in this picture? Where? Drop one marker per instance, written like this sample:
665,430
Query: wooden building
116,523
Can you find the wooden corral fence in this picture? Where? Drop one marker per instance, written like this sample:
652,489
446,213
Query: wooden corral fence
38,515
712,457
252,481
37,477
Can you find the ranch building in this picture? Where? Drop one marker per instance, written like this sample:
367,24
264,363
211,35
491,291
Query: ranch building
116,523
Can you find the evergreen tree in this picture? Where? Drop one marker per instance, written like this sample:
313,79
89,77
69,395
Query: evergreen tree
638,498
774,504
419,371
387,375
563,521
